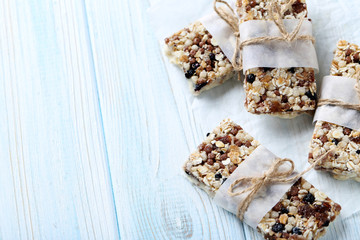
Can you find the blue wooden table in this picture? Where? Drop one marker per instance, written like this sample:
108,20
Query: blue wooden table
91,141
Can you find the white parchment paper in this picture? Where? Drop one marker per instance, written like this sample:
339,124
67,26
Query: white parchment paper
221,32
254,166
341,88
277,54
332,20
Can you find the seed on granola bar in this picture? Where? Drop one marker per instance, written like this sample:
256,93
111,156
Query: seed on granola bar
309,198
278,227
335,141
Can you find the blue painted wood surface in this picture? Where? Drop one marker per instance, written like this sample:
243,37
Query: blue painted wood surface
92,135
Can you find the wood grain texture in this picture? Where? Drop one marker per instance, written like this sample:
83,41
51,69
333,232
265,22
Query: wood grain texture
54,173
93,134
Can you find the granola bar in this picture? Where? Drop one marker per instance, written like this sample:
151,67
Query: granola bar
345,162
303,212
197,53
283,92
219,156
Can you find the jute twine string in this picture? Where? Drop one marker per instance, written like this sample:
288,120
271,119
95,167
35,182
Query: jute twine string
335,102
271,176
276,15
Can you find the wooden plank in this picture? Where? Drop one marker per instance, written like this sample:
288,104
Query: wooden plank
54,174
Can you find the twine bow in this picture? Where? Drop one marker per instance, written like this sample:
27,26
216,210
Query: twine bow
335,102
276,15
273,175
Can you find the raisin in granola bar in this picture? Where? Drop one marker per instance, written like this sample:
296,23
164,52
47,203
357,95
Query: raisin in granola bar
283,92
344,163
197,53
303,212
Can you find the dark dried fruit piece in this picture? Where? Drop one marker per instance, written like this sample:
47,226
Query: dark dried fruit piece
347,131
306,211
296,231
208,148
298,7
355,139
358,151
223,157
225,140
198,87
251,78
294,191
326,223
309,198
324,139
278,207
211,156
218,176
357,58
232,169
212,57
284,210
348,52
190,73
311,95
278,227
335,141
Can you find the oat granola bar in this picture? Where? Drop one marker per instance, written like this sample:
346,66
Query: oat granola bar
284,92
197,53
344,163
303,212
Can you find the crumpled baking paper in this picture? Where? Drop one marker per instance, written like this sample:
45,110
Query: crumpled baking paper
340,88
332,20
277,54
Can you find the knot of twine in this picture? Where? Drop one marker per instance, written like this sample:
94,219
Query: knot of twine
335,102
276,15
273,175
